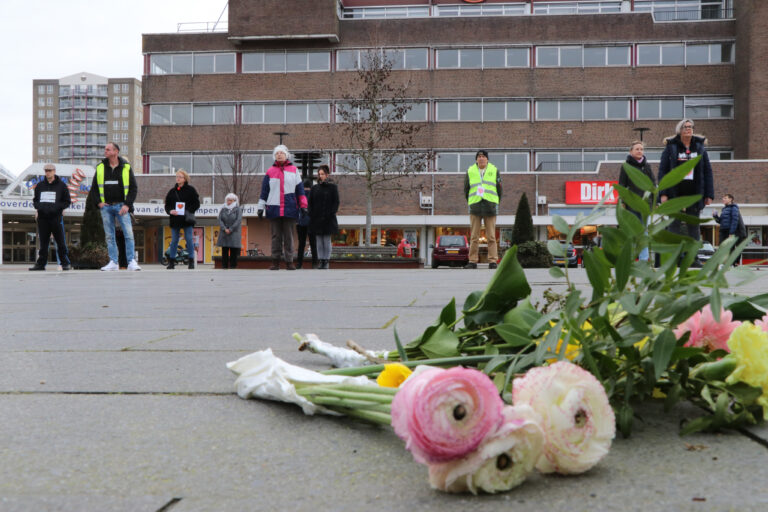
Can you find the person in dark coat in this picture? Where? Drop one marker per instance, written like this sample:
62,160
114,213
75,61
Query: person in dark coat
680,148
230,222
302,230
730,221
323,205
636,158
51,199
182,198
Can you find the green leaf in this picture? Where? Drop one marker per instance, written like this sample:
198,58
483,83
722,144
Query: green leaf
674,394
555,248
745,393
506,287
628,222
624,417
556,272
613,241
677,174
634,201
624,266
513,335
448,314
523,315
637,177
599,275
663,348
676,204
696,425
442,343
560,224
715,303
400,349
688,219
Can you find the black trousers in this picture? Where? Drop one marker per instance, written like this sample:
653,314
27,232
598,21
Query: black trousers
303,232
229,257
47,226
282,229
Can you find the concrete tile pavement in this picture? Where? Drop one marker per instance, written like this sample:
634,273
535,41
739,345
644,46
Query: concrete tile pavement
114,396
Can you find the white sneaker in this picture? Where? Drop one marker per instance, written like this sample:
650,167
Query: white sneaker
132,265
110,267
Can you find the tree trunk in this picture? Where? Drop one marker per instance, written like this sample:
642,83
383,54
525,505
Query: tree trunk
368,209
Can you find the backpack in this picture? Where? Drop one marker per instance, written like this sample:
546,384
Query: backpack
741,229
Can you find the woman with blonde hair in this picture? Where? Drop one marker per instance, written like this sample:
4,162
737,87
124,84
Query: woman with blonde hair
181,203
230,220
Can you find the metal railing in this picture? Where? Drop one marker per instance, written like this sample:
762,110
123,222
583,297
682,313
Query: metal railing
704,13
575,166
203,26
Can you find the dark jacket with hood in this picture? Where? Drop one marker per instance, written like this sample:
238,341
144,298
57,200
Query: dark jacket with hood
114,191
728,220
625,182
61,202
675,153
323,205
187,195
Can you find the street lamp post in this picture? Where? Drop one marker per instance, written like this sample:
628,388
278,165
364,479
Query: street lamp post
280,134
641,130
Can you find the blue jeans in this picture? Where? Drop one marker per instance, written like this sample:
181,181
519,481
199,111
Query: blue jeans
189,238
644,253
109,213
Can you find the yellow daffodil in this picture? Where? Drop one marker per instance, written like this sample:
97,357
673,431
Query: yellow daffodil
749,346
393,375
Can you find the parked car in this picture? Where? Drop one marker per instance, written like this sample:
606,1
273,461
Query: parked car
570,257
706,252
450,250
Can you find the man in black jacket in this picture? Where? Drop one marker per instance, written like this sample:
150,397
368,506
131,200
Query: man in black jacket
51,199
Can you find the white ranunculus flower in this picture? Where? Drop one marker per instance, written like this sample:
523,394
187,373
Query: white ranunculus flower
578,422
503,460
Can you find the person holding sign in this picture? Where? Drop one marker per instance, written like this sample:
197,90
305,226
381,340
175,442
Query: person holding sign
181,203
482,188
51,199
680,148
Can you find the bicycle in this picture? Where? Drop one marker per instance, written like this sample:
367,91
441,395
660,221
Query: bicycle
255,251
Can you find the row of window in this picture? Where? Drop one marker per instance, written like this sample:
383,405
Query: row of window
82,115
82,127
82,90
655,54
693,9
82,103
445,162
479,110
80,140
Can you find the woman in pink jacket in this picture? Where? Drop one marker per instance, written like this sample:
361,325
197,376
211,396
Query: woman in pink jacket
282,196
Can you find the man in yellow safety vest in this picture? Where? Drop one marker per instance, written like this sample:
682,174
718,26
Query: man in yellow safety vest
482,188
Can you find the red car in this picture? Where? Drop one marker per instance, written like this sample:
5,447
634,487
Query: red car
450,250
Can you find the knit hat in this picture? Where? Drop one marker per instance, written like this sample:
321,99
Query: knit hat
282,148
481,152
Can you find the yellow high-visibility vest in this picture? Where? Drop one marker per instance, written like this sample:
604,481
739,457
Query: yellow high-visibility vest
100,179
485,187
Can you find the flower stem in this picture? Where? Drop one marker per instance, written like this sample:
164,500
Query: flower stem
316,391
380,418
443,361
357,405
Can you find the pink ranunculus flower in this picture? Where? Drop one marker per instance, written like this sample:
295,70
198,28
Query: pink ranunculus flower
763,323
503,460
445,414
705,332
574,413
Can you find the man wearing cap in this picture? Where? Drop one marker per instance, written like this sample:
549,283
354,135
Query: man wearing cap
482,188
51,199
115,187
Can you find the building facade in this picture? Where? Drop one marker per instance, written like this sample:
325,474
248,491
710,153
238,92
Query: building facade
75,116
555,90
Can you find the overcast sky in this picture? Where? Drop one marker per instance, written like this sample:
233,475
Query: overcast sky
57,38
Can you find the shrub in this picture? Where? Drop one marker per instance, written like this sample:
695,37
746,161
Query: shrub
534,254
91,255
523,230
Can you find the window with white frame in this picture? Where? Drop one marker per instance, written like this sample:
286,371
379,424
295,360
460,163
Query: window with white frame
348,13
213,114
41,150
401,58
279,113
116,112
49,101
169,164
170,64
709,108
49,114
417,112
583,110
124,125
478,58
351,163
41,126
671,108
49,125
257,163
49,138
286,62
578,7
506,9
715,53
125,100
505,161
574,161
40,89
124,138
212,63
125,112
125,88
482,110
116,100
116,88
41,139
661,54
582,56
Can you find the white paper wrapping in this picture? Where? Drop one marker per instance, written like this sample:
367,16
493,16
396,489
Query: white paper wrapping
263,375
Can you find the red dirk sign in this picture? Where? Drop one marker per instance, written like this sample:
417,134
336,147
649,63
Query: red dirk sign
590,192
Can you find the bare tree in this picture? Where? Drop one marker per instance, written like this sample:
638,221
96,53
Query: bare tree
235,170
373,123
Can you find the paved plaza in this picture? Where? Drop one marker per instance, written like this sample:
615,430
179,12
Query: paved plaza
114,396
